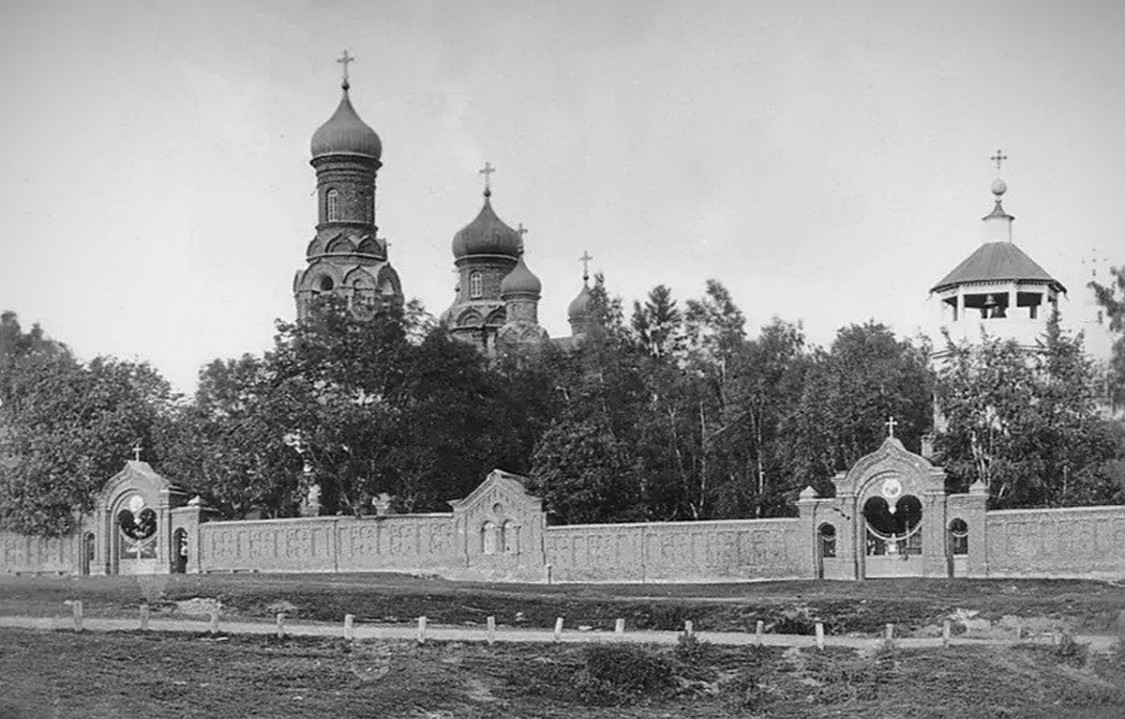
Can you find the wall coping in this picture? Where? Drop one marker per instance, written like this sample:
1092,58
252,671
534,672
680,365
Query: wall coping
1058,510
685,523
335,518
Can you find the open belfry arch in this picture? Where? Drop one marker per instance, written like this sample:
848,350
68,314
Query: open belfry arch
892,517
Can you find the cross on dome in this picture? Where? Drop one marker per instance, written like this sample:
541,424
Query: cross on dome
344,60
999,158
891,424
487,171
585,260
137,452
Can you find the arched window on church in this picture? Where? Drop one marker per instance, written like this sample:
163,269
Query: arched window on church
509,533
332,203
476,286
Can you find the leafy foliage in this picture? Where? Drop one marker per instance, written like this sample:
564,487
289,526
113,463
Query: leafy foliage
1028,427
68,426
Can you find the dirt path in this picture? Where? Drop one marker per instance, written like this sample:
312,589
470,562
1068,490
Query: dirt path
1098,643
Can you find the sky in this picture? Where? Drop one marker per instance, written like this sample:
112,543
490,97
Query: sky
828,162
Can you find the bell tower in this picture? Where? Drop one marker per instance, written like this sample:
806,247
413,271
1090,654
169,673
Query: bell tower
346,258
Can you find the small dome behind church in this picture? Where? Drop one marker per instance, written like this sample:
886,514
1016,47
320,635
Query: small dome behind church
521,281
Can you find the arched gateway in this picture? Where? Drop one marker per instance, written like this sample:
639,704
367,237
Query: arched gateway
891,517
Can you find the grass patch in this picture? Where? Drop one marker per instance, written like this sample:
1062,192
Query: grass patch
62,674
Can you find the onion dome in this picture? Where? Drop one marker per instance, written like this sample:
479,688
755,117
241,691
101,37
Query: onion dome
346,134
579,307
487,235
521,281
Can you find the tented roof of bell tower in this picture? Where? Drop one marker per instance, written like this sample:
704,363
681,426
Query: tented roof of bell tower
998,262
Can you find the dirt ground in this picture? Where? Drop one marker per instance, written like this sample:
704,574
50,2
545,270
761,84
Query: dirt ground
64,674
916,606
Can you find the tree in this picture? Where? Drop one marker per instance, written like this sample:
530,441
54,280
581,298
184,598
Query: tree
658,323
1028,427
456,424
1111,297
767,379
233,445
70,424
866,377
341,381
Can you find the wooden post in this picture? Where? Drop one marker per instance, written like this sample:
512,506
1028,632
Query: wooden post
76,608
759,631
144,617
214,621
281,625
945,633
689,628
558,629
349,627
619,627
421,630
890,636
820,636
490,632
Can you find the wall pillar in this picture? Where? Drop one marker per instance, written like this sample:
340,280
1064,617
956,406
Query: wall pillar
972,508
935,549
807,507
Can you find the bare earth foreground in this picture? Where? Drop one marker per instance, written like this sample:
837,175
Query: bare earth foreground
126,674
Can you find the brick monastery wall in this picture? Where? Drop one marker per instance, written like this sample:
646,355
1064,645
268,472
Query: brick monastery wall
1071,542
330,544
22,554
730,550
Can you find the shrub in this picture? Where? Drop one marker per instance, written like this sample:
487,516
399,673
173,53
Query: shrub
1071,651
690,650
615,673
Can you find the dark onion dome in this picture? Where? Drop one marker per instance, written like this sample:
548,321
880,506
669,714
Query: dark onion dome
998,262
521,281
346,134
487,235
580,306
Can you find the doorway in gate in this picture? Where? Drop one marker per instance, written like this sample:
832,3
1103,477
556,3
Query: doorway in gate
179,551
893,536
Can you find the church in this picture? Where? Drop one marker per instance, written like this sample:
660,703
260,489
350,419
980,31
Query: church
496,302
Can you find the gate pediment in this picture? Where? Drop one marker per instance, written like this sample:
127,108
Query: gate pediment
907,473
499,488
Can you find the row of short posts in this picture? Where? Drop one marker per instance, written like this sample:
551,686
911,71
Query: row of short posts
490,627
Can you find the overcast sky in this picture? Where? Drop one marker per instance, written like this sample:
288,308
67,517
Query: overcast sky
827,161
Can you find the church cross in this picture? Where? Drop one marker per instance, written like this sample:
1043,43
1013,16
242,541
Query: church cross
891,424
585,260
998,158
487,170
344,60
137,452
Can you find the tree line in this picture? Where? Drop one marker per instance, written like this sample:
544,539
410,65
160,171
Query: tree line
663,412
